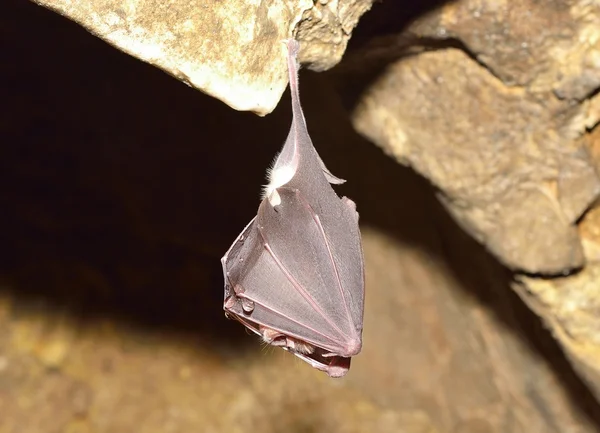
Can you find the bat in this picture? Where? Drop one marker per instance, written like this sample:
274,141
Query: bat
295,275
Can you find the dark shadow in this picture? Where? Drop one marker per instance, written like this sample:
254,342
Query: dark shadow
120,188
383,37
390,18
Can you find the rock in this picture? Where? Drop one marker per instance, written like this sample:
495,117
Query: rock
325,29
229,50
491,110
497,105
570,305
526,44
506,165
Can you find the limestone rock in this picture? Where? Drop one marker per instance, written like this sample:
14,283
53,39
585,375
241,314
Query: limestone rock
230,50
570,305
507,165
527,43
325,30
491,110
497,104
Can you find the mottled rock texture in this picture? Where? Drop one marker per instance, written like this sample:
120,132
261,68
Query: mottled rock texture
496,103
230,49
120,188
493,111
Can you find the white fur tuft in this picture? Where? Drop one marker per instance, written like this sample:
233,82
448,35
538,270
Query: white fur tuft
276,178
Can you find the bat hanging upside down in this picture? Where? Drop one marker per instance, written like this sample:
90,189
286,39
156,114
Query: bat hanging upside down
295,275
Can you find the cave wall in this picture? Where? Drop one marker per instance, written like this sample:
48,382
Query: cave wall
121,187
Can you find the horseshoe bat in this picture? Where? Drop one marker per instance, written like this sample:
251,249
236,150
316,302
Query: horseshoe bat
295,275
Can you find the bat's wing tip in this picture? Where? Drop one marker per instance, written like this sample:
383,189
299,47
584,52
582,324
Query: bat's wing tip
353,347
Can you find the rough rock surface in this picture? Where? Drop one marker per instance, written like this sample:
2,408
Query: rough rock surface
570,305
491,112
502,159
497,104
230,50
117,205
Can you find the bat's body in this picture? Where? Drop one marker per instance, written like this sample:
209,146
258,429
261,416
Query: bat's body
295,275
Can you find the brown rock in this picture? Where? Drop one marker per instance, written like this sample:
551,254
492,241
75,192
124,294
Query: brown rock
230,50
570,305
506,165
526,44
496,103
